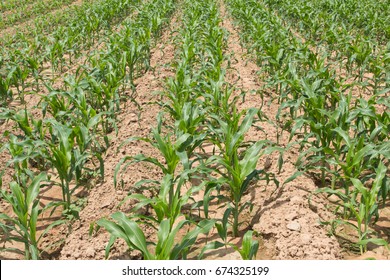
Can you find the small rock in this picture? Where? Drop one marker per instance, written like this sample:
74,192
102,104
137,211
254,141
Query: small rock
76,255
333,198
90,252
105,204
295,226
306,238
119,192
132,118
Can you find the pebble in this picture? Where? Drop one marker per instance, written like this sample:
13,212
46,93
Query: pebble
306,238
90,252
133,118
105,204
295,226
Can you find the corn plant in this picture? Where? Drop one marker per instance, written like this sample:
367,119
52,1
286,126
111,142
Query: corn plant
31,127
363,203
68,154
24,153
5,90
249,246
172,152
22,228
237,167
166,248
17,76
169,201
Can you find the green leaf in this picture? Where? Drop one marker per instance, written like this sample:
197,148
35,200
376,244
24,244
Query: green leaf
33,189
133,233
344,135
249,246
376,241
249,162
210,246
189,239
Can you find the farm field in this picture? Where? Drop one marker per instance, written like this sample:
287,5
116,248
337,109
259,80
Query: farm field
209,129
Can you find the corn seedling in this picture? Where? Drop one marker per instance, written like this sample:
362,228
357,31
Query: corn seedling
22,227
167,248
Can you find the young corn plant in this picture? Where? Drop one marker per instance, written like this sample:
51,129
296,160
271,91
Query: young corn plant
167,246
68,153
21,227
237,167
249,246
169,201
24,153
5,91
363,204
17,76
172,152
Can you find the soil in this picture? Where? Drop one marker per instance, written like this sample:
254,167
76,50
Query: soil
288,218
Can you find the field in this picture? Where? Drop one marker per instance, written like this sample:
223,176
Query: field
209,129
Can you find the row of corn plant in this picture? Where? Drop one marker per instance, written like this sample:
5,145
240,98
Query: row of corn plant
167,202
23,13
44,23
24,61
12,4
88,103
344,138
356,16
359,56
76,118
198,103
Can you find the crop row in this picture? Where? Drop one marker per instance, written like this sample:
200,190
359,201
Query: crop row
362,55
42,23
367,18
25,12
345,141
202,111
23,64
65,146
12,4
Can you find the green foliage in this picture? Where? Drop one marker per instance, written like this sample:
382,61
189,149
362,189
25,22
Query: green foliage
167,246
21,227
